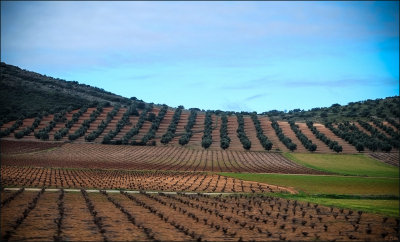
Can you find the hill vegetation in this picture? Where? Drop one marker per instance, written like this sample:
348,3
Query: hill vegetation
40,95
28,94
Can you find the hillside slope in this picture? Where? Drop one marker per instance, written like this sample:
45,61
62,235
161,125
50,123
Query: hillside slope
28,93
58,110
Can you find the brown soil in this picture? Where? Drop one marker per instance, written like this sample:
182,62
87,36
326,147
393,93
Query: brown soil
389,158
287,131
156,158
23,146
251,133
321,146
270,133
347,148
78,224
132,180
191,217
39,225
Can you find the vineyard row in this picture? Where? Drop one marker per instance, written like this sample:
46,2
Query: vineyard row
108,216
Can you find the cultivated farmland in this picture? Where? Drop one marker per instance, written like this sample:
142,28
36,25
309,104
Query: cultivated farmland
181,217
119,169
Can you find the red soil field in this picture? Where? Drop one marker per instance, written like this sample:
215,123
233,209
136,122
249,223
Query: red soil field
347,148
112,125
270,133
132,180
182,217
195,141
321,146
180,128
287,131
251,133
156,158
232,133
19,147
197,130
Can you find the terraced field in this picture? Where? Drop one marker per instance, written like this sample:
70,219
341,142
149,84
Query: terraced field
128,216
75,190
197,131
97,156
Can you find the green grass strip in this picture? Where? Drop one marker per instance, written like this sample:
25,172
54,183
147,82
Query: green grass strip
380,205
345,164
316,184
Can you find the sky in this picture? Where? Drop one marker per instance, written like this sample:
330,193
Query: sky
232,56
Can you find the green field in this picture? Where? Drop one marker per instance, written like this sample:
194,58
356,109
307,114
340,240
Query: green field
359,182
316,184
388,207
345,164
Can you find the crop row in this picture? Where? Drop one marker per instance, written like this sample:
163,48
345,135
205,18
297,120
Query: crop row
154,127
100,128
28,130
375,133
333,145
157,158
132,110
389,130
225,140
393,122
169,135
43,133
307,143
206,140
357,138
379,141
75,117
133,180
15,126
265,142
200,217
188,128
86,123
284,139
135,129
241,133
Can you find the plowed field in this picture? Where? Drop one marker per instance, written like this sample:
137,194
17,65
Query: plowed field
156,158
84,216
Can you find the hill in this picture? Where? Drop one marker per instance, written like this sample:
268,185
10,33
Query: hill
39,93
58,110
28,93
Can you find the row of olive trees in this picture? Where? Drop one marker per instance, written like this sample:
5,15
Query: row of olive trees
387,129
393,122
265,142
169,135
86,123
132,110
154,127
284,139
100,128
135,129
206,140
240,132
11,129
395,143
75,117
223,132
43,133
333,145
357,138
28,130
184,139
308,144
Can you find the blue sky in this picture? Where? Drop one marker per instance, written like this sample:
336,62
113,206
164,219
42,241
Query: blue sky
239,56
